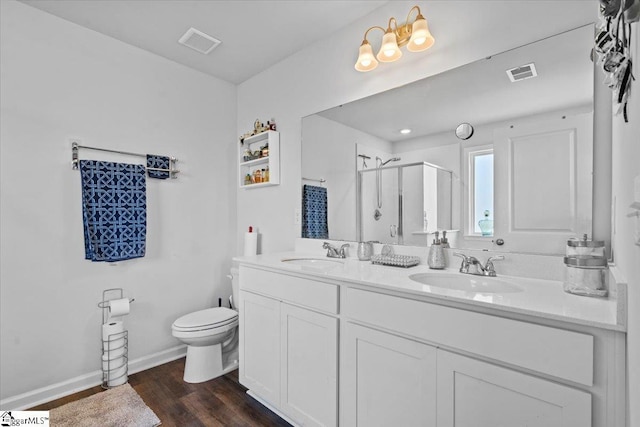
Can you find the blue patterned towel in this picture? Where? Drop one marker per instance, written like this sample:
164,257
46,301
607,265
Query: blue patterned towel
114,210
160,162
314,212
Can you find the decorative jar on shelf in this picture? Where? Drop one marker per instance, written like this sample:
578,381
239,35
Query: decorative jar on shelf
486,225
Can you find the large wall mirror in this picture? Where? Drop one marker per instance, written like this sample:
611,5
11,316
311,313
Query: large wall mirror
398,167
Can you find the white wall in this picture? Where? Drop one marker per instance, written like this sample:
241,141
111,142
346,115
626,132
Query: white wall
59,80
626,166
332,143
322,76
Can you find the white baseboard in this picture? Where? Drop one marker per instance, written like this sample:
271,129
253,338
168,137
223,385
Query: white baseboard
73,385
157,359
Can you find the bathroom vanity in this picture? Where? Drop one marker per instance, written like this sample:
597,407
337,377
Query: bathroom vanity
344,342
348,343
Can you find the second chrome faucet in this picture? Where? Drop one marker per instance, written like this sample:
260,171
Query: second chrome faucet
471,265
333,252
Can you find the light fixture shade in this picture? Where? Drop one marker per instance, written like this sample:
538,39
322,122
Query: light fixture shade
421,38
366,60
389,50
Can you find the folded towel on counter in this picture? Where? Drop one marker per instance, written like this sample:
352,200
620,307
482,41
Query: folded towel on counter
114,210
160,162
314,212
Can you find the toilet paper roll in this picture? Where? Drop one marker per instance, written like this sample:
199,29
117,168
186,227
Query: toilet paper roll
117,377
113,349
112,328
113,339
114,364
118,307
250,244
117,349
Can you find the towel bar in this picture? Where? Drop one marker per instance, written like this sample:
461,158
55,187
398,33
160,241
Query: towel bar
321,180
75,160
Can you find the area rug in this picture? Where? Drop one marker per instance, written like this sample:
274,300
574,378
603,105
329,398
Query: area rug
117,407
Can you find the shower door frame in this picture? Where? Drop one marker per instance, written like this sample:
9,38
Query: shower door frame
400,229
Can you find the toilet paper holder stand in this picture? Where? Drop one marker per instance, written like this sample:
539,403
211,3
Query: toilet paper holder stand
115,349
104,304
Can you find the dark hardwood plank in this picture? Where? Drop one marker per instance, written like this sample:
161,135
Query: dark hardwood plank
220,402
207,410
67,399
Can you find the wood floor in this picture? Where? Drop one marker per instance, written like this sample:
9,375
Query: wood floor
220,402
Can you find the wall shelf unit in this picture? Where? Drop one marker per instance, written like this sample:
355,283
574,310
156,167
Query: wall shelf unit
247,165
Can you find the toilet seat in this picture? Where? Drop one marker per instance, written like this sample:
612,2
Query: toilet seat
210,318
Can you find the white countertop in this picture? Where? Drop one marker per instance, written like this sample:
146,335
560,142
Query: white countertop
540,298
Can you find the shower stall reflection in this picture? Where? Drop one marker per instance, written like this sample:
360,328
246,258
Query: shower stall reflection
403,204
379,165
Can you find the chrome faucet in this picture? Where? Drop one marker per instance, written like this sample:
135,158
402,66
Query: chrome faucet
333,252
470,262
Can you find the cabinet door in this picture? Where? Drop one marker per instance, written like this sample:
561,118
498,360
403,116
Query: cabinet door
309,352
260,346
472,393
386,380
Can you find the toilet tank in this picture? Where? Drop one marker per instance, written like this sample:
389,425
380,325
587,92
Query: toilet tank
235,287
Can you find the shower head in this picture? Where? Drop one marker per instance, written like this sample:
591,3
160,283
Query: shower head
393,159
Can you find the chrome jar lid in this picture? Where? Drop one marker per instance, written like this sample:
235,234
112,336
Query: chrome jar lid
585,243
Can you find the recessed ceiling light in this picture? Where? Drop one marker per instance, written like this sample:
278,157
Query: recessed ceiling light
405,131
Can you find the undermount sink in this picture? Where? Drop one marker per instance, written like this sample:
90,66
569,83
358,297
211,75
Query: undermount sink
313,262
468,283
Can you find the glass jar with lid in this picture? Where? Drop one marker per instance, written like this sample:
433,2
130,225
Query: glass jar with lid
585,275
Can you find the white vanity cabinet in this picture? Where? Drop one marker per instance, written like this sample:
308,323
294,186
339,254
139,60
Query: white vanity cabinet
289,344
427,364
473,393
386,380
391,380
412,360
309,366
260,345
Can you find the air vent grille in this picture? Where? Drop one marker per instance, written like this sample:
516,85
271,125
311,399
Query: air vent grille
199,41
522,72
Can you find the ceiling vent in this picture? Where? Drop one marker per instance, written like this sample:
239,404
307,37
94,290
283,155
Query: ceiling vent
522,72
197,40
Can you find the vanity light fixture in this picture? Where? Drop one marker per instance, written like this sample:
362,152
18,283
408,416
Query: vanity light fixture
415,35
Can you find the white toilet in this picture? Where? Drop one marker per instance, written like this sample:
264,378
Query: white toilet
211,336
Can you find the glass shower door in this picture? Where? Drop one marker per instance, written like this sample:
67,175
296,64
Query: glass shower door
378,207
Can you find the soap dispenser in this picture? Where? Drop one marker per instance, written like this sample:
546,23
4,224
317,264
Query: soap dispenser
436,260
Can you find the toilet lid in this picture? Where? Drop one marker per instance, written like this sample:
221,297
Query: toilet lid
210,317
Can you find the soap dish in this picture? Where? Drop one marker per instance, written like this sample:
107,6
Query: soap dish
396,260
